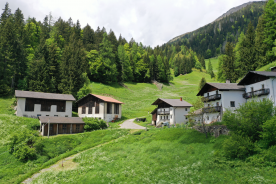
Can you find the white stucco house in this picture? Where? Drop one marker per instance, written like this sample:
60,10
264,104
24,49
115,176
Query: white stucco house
35,104
217,98
101,107
259,85
173,111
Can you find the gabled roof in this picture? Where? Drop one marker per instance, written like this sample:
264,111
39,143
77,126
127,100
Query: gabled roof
60,120
173,102
252,73
41,95
220,87
104,98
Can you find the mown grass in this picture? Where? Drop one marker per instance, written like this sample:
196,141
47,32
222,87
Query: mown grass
214,62
174,155
267,67
138,97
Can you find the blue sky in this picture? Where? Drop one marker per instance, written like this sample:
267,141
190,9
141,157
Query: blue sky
152,22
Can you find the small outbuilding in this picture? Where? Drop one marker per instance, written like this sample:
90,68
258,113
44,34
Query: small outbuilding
60,125
101,107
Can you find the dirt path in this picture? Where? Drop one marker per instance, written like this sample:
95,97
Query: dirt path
129,124
64,164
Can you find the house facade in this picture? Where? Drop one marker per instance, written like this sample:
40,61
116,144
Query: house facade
101,107
217,98
35,104
173,111
259,85
60,125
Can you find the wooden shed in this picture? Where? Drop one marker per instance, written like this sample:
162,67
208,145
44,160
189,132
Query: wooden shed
60,125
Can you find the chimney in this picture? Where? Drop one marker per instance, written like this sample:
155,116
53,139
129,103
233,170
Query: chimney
227,81
180,98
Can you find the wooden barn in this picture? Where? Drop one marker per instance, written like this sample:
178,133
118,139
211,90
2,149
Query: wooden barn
60,125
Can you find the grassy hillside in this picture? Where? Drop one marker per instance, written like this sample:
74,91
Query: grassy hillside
174,155
214,62
267,67
139,96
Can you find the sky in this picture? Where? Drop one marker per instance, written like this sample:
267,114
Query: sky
152,22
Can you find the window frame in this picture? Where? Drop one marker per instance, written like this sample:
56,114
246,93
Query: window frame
232,104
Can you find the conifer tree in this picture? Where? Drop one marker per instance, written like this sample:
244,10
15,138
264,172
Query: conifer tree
247,51
88,37
270,29
201,83
126,74
229,63
260,46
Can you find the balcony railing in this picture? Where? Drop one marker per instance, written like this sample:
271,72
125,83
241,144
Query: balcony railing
256,93
163,112
212,97
211,109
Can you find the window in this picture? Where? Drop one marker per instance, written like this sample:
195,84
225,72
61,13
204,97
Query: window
51,126
66,115
232,103
109,108
97,109
252,89
207,117
207,94
77,128
90,105
217,103
56,115
38,115
262,86
186,117
83,110
47,115
186,109
29,104
216,92
116,108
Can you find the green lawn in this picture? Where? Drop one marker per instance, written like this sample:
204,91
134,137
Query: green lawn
174,155
138,97
214,62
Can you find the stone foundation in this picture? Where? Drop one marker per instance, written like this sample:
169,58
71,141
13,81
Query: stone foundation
215,130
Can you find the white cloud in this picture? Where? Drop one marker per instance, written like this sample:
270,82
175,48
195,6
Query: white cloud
152,22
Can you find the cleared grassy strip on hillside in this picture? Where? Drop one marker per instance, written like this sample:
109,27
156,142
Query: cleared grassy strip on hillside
5,105
172,155
214,62
139,96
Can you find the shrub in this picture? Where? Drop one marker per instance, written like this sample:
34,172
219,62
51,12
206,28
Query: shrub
249,118
238,146
94,124
269,132
25,145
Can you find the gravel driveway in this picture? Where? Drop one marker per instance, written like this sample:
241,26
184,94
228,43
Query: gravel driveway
129,124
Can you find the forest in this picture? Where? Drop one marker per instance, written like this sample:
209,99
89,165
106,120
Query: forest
210,40
60,56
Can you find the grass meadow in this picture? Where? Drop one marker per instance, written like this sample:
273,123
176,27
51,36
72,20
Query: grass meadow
175,155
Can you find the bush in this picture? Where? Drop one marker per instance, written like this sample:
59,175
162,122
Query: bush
269,132
25,145
94,124
238,146
249,118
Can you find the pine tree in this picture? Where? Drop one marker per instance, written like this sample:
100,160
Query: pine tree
270,29
201,83
229,63
259,44
88,37
126,74
247,51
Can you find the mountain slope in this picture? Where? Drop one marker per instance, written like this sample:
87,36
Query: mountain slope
225,28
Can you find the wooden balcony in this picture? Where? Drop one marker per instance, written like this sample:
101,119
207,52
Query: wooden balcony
256,93
212,98
163,111
211,109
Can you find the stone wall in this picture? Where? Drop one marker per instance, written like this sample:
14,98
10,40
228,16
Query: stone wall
215,130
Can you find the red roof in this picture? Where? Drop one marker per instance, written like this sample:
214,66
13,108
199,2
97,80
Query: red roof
107,99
